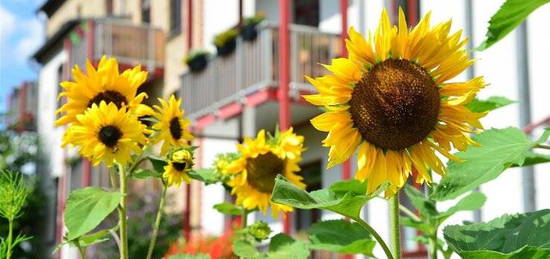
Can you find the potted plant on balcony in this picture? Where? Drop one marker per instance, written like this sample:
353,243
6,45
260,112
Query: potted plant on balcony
225,42
197,60
248,29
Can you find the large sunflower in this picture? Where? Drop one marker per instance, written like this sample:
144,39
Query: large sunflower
390,99
104,84
260,161
106,133
172,127
178,168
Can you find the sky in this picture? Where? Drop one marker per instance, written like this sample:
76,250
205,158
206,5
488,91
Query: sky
21,33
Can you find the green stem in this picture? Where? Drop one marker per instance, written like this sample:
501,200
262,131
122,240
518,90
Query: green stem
542,146
409,213
82,251
394,225
376,236
433,245
10,238
156,225
244,218
122,217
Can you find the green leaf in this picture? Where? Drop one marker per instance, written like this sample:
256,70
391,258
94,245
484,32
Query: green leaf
510,236
197,256
86,208
158,163
245,249
207,175
285,247
533,158
494,102
336,198
507,18
498,149
425,206
142,173
423,226
341,236
228,208
472,201
94,238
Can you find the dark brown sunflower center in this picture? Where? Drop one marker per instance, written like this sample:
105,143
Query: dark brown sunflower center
175,128
109,96
395,105
179,166
109,135
262,171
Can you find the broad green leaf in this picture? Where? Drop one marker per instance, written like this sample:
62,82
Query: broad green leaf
510,236
158,163
341,236
207,175
228,208
423,226
510,15
472,201
94,238
142,173
86,208
347,203
197,256
425,206
533,158
492,103
245,249
285,247
498,149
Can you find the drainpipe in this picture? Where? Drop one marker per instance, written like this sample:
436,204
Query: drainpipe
524,97
284,72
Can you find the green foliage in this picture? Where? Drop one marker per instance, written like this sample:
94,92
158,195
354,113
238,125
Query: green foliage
345,198
87,208
341,236
158,163
511,14
253,20
228,208
225,37
13,195
284,247
498,150
245,249
142,173
196,54
259,230
492,103
510,236
207,175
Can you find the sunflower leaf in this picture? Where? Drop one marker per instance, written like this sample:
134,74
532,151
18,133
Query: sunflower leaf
492,103
245,249
206,175
86,208
283,247
510,15
228,208
341,236
158,163
346,203
507,237
498,150
142,173
472,201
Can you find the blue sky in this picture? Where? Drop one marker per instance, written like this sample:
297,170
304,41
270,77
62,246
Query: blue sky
21,33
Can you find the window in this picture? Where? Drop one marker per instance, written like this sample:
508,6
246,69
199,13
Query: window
175,17
146,11
306,12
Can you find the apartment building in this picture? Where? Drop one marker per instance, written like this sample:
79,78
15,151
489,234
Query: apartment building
22,105
239,94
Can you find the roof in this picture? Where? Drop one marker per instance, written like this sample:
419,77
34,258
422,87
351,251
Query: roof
50,7
55,39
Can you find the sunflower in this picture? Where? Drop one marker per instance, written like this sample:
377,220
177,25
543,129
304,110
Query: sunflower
106,133
390,100
259,163
172,127
103,84
178,167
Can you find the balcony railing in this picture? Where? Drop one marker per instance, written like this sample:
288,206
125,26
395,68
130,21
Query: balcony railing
131,44
254,66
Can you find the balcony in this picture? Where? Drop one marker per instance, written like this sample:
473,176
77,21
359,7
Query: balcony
131,44
254,66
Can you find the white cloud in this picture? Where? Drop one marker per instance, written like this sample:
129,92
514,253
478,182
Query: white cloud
33,36
7,26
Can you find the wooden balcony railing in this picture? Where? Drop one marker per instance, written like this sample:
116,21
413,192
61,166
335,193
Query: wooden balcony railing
254,66
131,44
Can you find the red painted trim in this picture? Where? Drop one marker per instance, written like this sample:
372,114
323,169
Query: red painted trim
204,121
90,39
230,110
344,29
412,12
261,97
529,128
86,172
189,24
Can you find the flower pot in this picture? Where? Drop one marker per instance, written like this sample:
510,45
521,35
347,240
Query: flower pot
227,48
198,63
249,32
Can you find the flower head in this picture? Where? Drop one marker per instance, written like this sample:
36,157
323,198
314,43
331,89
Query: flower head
260,161
390,100
106,133
172,127
178,167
